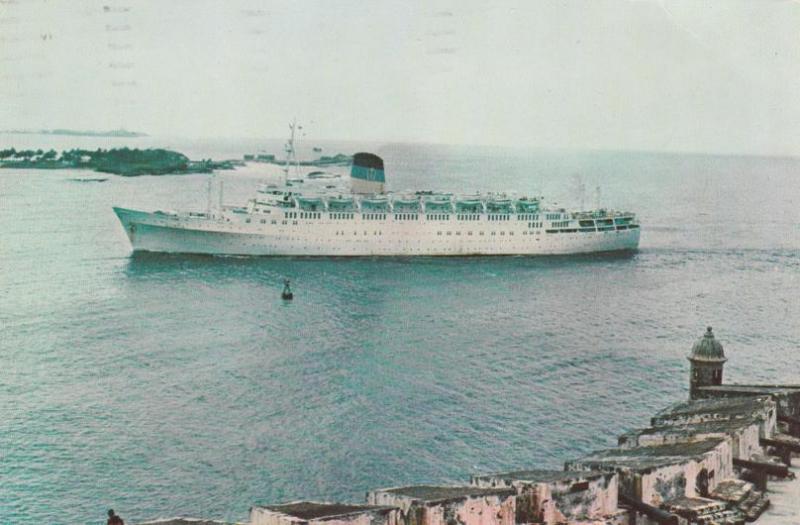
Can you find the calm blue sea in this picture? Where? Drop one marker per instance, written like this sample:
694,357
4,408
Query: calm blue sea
183,385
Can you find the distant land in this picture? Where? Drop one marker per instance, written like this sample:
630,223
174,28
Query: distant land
119,161
340,159
77,133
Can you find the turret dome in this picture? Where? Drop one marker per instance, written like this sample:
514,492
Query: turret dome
707,348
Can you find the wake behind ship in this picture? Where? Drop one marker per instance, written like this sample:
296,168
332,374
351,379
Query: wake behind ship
368,221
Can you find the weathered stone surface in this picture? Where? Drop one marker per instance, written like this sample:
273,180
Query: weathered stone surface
440,505
442,493
724,409
312,512
657,474
187,521
787,398
732,491
704,510
555,496
754,505
743,434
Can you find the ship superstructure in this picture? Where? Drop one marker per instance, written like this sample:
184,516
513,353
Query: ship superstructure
367,221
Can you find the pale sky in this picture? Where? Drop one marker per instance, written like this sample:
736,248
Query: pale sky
665,75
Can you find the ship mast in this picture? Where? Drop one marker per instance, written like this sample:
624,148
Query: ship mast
597,197
291,155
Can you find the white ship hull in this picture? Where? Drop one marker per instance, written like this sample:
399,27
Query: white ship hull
232,233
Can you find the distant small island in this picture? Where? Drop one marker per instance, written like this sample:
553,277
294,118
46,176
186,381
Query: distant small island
340,159
119,161
78,133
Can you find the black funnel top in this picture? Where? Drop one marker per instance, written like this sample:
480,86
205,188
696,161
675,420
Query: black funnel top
368,160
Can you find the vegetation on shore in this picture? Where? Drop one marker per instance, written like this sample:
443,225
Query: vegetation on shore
119,161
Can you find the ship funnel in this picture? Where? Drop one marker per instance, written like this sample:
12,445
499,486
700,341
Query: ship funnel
367,176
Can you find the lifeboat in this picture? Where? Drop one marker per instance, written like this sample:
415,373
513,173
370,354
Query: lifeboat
375,203
527,206
310,203
438,205
469,205
340,203
499,206
406,204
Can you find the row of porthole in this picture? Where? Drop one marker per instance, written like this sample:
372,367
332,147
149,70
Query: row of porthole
479,233
458,233
379,233
439,233
376,232
408,216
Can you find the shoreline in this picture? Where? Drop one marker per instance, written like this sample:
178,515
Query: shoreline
149,161
117,161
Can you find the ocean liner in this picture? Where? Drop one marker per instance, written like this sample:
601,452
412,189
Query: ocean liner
365,220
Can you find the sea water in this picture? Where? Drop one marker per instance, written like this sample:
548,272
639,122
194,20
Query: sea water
181,385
